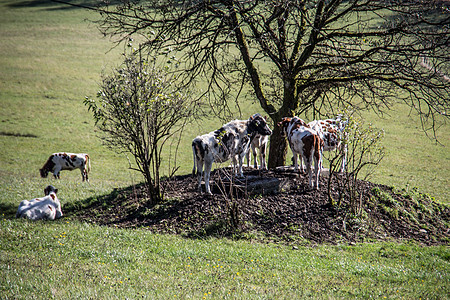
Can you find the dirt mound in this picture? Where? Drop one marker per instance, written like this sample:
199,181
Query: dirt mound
293,214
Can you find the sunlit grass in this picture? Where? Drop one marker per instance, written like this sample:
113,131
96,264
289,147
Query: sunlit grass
65,259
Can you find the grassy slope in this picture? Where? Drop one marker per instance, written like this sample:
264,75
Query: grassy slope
51,58
48,62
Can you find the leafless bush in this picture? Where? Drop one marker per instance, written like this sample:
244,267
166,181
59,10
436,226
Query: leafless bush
364,153
139,108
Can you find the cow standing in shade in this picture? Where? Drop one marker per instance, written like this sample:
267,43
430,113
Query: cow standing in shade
305,142
259,143
332,132
67,161
232,141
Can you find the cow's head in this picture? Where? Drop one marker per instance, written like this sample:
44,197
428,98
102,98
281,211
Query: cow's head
44,172
50,189
258,124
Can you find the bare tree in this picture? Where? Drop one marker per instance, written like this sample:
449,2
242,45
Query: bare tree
301,56
139,108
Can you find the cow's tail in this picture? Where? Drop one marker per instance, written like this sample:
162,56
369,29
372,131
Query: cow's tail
88,163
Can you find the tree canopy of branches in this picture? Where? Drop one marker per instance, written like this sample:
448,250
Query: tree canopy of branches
301,56
139,108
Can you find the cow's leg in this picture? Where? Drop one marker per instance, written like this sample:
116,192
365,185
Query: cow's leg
208,167
302,164
317,169
295,161
234,162
56,172
200,163
249,158
255,158
84,174
308,162
262,156
240,163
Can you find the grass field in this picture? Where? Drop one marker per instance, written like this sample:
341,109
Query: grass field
72,260
51,58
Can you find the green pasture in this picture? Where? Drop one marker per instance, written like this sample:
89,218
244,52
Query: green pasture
52,57
66,259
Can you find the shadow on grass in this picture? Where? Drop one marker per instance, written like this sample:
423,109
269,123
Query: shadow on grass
187,212
14,134
60,5
293,215
8,210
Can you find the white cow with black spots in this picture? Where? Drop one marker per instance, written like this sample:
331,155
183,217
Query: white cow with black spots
231,141
67,161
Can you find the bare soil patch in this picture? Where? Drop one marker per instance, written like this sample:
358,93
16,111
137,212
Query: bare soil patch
295,214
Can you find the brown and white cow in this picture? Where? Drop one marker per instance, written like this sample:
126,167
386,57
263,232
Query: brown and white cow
45,208
305,142
67,161
332,132
259,143
231,141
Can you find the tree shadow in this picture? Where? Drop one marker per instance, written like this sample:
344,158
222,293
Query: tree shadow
60,5
14,134
185,212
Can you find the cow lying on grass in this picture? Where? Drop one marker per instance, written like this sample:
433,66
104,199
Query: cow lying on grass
67,161
304,142
46,208
232,141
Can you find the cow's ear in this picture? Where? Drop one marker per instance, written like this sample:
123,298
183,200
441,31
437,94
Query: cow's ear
56,191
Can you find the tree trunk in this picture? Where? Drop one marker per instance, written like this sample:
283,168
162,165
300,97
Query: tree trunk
278,148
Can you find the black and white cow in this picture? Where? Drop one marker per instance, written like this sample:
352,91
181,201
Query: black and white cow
305,142
259,143
45,208
67,161
232,141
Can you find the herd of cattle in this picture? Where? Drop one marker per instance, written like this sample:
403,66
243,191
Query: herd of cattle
232,141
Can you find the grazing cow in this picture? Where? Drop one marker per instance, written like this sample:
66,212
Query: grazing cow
232,141
260,143
66,161
304,142
46,208
332,132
